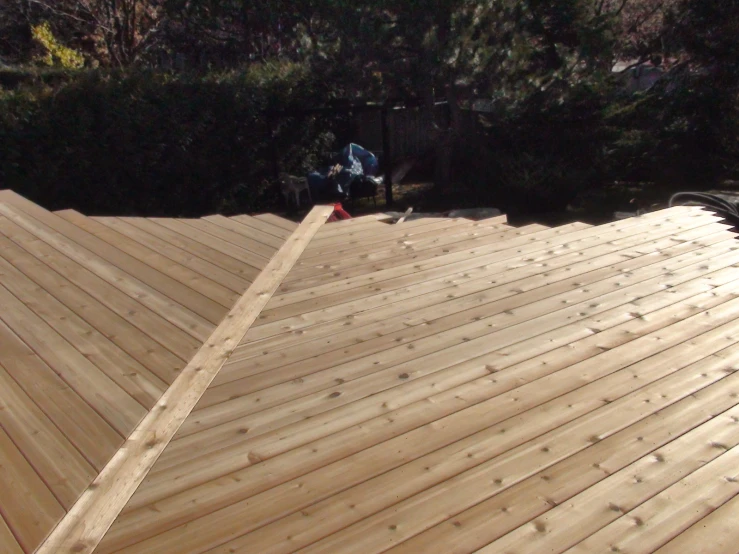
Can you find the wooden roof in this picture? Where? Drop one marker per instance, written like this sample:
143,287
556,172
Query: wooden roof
437,386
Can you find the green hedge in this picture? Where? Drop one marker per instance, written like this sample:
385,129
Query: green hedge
150,143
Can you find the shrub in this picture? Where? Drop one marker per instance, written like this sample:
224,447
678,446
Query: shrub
55,53
152,143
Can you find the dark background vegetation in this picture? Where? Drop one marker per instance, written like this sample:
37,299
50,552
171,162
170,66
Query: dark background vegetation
160,107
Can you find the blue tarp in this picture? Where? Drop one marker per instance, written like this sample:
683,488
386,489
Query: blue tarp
356,162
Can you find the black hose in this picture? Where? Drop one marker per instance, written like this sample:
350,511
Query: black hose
724,208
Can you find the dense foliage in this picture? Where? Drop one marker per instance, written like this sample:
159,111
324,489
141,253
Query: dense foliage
170,113
152,143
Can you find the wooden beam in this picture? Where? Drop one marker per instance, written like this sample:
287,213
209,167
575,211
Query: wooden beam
92,515
407,213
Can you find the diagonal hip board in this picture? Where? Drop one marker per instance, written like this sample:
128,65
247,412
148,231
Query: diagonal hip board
98,506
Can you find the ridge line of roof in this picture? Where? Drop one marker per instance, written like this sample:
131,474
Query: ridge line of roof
84,526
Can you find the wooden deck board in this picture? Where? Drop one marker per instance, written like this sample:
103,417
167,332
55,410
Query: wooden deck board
76,419
716,533
28,507
118,330
441,243
641,334
281,231
59,464
134,284
89,519
354,267
193,232
442,385
574,474
276,221
188,287
90,337
226,262
254,247
137,380
462,266
343,463
118,408
394,452
390,314
250,232
224,404
174,339
614,336
341,245
485,460
469,259
8,542
648,526
473,303
166,250
610,501
431,237
466,282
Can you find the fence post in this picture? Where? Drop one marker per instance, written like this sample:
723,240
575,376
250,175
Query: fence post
386,160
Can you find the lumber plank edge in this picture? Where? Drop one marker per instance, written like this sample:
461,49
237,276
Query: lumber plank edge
84,526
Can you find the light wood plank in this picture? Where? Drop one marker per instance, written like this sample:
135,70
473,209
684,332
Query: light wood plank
386,315
439,242
425,292
405,216
297,495
105,317
86,523
188,321
651,524
235,284
79,422
503,457
180,283
90,285
351,242
221,247
313,406
277,221
381,217
245,231
228,263
471,258
474,310
717,533
131,376
433,239
604,502
8,542
254,247
249,402
625,344
98,389
465,265
590,471
259,224
59,464
28,507
352,267
343,227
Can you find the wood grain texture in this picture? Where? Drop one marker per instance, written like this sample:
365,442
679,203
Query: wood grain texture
88,520
304,463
